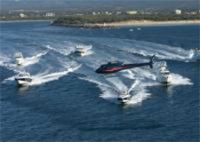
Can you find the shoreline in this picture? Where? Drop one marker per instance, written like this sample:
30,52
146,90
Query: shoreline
114,24
141,23
31,20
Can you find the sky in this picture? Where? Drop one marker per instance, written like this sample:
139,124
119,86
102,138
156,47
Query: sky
96,4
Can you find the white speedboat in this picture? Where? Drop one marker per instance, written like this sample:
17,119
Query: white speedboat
124,98
196,54
23,79
19,58
82,50
163,74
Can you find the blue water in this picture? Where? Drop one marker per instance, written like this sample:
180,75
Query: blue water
79,105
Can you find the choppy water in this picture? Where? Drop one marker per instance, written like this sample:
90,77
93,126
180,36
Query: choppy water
68,101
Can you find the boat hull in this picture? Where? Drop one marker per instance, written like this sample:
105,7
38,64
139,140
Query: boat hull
19,61
124,99
83,53
23,82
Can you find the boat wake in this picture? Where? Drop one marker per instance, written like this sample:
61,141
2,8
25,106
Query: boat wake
177,79
63,51
68,49
135,81
34,59
45,77
163,52
111,92
9,62
147,49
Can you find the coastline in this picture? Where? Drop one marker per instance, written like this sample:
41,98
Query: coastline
114,24
31,20
141,23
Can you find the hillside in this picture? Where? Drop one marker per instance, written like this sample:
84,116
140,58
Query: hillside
84,5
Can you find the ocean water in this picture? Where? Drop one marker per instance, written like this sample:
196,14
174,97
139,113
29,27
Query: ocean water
68,101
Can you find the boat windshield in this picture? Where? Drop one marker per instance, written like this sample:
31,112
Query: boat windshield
24,75
18,55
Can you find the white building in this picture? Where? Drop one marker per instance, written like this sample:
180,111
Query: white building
108,13
178,12
49,14
118,12
22,15
132,12
94,13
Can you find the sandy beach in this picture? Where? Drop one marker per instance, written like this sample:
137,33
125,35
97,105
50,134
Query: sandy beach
143,23
118,24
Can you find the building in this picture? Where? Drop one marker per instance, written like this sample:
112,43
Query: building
193,13
108,13
118,12
131,12
178,12
94,13
49,14
22,15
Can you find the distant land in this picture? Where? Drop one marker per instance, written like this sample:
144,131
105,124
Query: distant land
107,19
113,20
100,13
85,5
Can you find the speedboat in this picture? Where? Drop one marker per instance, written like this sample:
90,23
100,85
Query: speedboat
19,58
82,50
23,79
196,54
163,74
124,98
